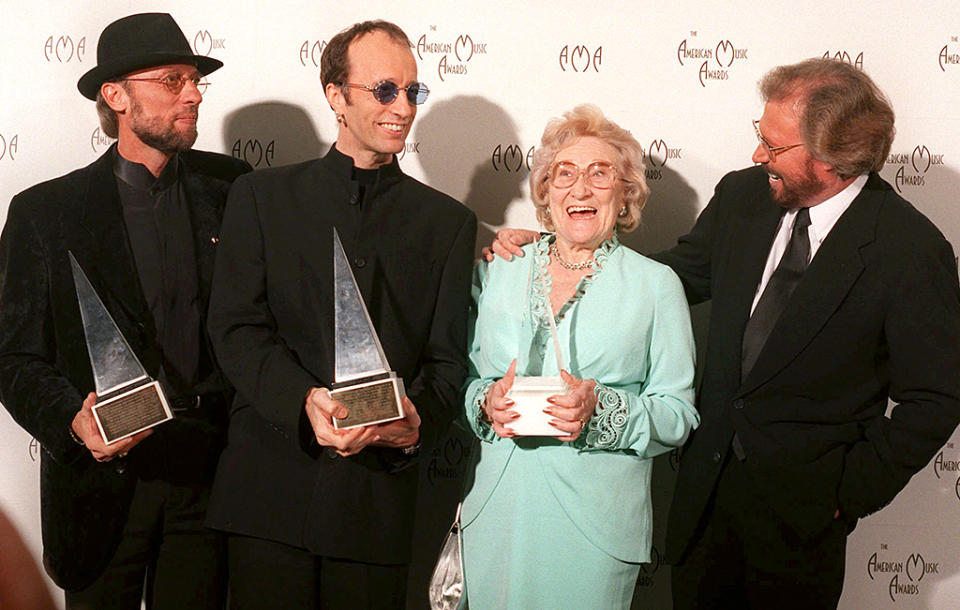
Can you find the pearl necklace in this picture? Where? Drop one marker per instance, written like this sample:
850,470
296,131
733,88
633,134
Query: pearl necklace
571,266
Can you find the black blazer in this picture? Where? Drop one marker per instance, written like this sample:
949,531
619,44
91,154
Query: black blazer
271,320
875,317
44,367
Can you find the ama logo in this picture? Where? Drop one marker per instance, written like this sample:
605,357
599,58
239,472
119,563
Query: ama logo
63,49
254,152
511,158
580,58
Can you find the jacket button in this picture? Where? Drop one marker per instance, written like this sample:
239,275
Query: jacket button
717,457
360,262
120,468
738,403
354,199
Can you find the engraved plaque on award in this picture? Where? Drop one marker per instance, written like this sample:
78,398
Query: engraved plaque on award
363,381
529,395
128,400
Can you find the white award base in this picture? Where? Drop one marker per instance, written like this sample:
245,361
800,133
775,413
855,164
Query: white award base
529,395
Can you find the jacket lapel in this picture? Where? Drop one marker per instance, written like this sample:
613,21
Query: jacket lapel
105,253
749,247
828,279
205,199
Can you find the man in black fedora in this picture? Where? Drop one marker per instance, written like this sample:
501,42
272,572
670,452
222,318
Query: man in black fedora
125,520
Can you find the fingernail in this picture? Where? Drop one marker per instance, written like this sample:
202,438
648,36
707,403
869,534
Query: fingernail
514,415
552,400
548,411
509,402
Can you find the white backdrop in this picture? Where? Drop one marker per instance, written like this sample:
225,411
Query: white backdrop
681,76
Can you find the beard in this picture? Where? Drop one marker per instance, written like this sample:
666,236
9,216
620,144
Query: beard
799,190
158,135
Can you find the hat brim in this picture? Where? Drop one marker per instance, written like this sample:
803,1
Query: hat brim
89,83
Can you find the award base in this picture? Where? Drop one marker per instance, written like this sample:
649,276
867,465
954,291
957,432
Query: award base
131,411
529,395
370,402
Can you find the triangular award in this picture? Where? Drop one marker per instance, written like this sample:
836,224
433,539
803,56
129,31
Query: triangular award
363,381
128,400
529,394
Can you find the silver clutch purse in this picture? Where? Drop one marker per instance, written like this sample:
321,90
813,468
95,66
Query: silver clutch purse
446,582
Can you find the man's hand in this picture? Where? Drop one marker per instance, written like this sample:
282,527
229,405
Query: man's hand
85,428
400,433
508,243
321,409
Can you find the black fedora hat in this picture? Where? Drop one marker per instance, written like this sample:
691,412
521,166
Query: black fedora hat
137,42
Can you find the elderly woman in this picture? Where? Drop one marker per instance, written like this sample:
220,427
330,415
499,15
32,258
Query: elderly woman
565,521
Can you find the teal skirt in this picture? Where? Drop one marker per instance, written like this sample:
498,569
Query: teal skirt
522,551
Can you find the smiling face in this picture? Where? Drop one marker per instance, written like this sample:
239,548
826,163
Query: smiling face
584,215
371,132
158,118
796,178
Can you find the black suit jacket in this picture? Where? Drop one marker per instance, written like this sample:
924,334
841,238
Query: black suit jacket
271,320
875,317
44,366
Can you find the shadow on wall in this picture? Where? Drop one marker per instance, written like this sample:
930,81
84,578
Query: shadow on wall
468,131
270,134
670,212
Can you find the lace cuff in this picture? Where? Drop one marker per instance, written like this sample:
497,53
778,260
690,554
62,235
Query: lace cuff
609,419
477,420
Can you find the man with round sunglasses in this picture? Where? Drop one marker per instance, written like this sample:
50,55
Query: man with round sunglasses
123,522
316,516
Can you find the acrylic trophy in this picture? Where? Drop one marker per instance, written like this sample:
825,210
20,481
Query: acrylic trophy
128,400
529,395
363,381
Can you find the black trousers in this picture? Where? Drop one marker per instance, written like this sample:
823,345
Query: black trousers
166,557
746,557
267,575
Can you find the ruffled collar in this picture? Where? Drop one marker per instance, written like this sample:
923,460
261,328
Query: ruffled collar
542,282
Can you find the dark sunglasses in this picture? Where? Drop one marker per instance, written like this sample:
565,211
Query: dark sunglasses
386,91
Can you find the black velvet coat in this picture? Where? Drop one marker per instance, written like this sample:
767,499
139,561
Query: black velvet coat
44,366
875,317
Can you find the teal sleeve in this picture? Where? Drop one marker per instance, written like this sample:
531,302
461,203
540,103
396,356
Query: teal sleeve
659,415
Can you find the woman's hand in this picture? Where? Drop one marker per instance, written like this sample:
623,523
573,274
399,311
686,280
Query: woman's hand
496,407
572,411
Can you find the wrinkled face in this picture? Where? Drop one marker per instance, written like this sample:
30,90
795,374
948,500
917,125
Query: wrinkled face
160,119
796,179
371,132
584,215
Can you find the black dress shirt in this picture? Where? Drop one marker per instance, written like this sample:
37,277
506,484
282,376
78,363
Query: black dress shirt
161,239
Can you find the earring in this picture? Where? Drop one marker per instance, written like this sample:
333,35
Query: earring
623,212
341,119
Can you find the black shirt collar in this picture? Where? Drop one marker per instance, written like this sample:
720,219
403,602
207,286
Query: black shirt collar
342,165
139,177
